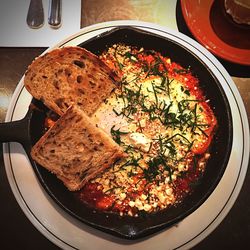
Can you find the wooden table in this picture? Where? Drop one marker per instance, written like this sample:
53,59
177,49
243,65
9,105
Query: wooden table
17,232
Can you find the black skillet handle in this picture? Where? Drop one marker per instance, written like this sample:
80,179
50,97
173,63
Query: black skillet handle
16,131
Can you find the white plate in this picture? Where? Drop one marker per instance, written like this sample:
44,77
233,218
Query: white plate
69,233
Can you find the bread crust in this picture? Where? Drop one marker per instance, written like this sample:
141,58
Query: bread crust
70,75
75,150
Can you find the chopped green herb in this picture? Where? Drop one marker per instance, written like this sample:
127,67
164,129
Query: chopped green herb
116,134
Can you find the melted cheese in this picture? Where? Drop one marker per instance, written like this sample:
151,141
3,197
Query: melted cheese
140,141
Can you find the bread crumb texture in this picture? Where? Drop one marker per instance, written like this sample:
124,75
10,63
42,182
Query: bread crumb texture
70,75
75,149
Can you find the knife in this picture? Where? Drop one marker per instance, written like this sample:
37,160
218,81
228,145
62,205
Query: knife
55,13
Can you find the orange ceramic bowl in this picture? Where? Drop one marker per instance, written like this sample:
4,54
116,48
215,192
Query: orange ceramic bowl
215,29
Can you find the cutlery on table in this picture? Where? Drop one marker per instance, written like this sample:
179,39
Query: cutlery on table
55,13
35,16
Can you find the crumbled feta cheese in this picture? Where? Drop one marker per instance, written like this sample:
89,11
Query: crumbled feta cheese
139,140
161,197
169,191
147,207
143,197
123,196
138,204
131,203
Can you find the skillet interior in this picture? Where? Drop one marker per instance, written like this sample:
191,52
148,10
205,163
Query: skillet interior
133,228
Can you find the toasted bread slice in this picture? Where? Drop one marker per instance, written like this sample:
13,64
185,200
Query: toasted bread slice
75,149
70,75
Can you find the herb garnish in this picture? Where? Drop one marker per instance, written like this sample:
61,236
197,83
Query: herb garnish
136,100
116,134
154,169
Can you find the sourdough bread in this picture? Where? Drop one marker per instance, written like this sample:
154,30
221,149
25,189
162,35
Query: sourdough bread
75,150
70,75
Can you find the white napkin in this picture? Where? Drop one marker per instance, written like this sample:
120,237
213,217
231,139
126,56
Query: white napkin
14,32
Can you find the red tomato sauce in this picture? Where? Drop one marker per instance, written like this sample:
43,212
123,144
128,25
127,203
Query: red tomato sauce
93,195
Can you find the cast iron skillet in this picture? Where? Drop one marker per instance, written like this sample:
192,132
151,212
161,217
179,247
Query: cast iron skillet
28,130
